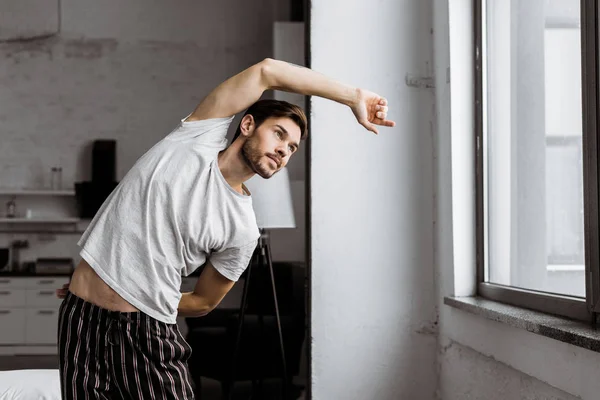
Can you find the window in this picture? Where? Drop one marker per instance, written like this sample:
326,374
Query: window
537,187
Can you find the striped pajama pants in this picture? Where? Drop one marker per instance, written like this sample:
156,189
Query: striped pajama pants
117,355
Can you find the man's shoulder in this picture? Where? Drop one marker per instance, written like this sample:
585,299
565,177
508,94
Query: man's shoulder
206,131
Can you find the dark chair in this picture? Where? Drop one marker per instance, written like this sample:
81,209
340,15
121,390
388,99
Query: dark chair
213,337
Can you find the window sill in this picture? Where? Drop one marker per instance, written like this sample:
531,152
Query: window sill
558,328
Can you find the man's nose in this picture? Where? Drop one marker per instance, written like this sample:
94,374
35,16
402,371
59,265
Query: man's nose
281,151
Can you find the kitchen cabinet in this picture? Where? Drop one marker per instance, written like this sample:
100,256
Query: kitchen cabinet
29,313
41,326
12,322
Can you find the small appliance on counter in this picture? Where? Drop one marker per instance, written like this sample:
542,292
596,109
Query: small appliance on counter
15,254
4,258
57,266
27,267
91,194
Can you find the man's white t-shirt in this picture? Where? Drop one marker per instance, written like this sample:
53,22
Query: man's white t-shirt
170,213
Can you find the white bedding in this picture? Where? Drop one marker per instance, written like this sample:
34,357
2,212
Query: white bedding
30,384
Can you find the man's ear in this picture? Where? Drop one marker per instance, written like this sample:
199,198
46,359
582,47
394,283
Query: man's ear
247,125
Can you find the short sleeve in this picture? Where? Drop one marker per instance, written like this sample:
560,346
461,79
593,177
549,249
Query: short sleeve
208,131
233,261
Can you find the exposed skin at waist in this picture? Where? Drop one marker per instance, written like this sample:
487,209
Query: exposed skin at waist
87,285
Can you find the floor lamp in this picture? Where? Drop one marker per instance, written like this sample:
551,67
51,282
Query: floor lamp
273,206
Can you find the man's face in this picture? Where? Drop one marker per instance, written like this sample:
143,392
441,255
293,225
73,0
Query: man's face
269,148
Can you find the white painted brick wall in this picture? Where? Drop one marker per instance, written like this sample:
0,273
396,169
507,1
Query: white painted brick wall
28,18
120,70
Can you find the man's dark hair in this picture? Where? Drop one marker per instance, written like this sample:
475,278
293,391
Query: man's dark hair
264,109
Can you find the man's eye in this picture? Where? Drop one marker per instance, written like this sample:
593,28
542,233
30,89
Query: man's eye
291,149
279,134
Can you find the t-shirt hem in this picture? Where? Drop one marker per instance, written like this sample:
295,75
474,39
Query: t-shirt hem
125,295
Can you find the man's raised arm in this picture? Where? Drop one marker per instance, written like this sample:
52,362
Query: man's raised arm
244,89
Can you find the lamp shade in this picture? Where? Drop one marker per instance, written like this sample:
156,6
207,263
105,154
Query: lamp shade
272,200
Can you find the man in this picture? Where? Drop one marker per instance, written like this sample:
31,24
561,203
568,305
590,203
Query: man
183,204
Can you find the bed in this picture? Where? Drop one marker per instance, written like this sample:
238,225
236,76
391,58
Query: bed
30,384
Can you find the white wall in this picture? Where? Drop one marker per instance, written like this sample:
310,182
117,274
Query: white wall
125,71
467,374
373,284
479,358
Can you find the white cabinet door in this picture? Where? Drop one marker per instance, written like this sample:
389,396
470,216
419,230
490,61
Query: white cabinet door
12,283
12,326
42,310
41,326
41,298
46,282
10,298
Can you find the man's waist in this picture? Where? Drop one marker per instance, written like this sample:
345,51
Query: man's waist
88,285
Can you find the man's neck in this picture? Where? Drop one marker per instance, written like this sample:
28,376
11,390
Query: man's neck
234,168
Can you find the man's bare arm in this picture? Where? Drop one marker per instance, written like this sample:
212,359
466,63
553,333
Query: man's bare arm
234,95
288,77
244,89
369,108
208,293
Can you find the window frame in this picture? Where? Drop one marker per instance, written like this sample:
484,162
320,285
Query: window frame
551,303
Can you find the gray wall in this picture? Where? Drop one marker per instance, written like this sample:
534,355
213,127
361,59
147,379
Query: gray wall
468,375
373,293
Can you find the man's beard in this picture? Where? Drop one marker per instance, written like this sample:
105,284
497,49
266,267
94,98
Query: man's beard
252,158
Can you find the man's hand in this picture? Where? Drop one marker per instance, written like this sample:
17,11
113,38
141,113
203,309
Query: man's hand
370,110
62,293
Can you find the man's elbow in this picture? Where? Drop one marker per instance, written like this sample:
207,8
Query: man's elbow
196,312
267,64
267,74
194,305
208,309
